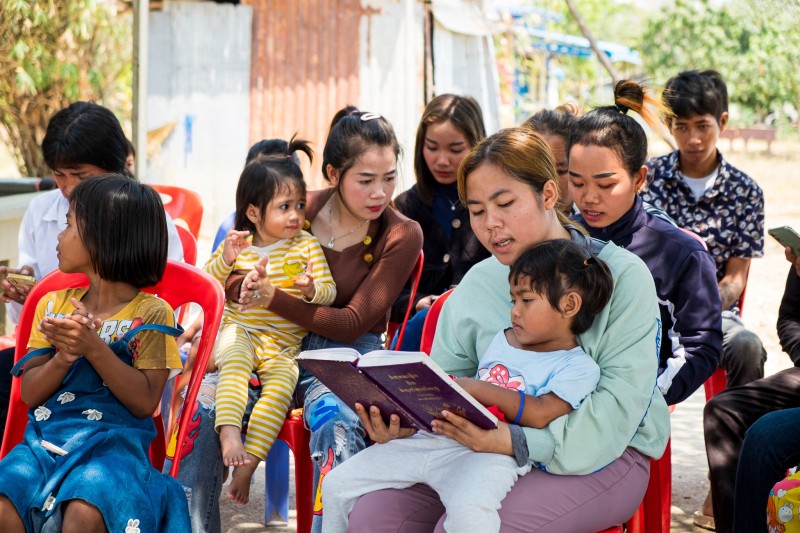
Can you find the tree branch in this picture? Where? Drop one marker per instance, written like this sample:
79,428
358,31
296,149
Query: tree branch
601,56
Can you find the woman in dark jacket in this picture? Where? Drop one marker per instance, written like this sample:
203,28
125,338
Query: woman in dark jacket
450,126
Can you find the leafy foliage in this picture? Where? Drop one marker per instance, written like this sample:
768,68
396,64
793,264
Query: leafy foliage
752,44
583,81
53,52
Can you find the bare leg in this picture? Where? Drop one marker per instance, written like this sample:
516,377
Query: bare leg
82,517
230,439
9,517
704,518
239,489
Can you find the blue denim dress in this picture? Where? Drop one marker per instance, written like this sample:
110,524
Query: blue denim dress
84,444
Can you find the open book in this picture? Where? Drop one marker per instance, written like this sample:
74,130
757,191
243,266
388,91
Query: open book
408,384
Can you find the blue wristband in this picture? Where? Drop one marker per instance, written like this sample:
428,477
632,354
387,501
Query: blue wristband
521,406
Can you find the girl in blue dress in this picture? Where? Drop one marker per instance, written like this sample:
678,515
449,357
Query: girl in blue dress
96,367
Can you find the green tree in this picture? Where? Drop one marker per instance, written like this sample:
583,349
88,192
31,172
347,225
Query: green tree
53,52
750,43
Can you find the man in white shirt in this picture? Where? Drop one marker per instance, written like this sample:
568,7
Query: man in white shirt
82,140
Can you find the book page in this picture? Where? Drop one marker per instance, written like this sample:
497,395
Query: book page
330,354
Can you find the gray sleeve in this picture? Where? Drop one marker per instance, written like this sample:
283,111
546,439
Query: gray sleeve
520,444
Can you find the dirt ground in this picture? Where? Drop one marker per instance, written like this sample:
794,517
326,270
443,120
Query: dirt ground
776,174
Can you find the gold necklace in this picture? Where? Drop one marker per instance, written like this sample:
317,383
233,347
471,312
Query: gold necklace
332,241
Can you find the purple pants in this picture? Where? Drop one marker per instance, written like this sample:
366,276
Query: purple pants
538,502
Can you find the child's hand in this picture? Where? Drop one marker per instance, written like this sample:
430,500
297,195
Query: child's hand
235,242
69,335
306,282
82,315
256,288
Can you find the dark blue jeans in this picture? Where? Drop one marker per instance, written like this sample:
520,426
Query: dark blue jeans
727,418
771,445
335,429
413,334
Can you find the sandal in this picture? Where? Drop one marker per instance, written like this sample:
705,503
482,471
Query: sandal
703,521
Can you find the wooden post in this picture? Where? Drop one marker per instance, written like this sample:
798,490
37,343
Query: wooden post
141,11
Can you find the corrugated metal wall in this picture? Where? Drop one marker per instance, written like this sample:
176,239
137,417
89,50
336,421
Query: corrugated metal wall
312,57
392,63
304,68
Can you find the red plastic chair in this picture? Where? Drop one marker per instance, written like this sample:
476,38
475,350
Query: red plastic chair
298,438
180,284
429,328
183,205
189,244
719,380
392,327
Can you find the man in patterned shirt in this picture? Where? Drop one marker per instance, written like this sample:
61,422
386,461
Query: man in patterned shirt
724,206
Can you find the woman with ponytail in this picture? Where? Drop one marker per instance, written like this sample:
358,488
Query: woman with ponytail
607,150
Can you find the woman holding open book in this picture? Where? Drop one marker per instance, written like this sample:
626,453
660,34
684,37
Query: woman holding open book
599,452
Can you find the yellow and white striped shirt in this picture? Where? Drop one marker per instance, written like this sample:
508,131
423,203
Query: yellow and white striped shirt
287,259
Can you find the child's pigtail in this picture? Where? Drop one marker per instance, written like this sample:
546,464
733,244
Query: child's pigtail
598,286
299,145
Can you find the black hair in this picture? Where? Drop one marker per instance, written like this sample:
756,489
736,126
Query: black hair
352,133
558,121
85,133
610,127
267,175
465,114
131,148
697,93
270,147
559,266
123,226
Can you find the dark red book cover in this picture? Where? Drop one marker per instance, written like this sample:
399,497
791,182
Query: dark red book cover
409,384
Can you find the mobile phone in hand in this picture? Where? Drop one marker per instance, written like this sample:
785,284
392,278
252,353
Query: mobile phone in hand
21,281
786,236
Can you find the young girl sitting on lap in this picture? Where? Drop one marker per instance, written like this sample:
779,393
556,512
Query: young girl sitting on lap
270,206
96,367
533,373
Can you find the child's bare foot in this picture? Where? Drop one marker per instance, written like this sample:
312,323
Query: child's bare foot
239,489
230,439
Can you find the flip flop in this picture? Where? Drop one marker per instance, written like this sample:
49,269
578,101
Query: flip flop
703,521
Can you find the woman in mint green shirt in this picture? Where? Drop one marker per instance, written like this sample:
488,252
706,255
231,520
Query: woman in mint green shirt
593,464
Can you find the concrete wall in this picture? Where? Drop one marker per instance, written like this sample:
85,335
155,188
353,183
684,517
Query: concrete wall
392,67
199,78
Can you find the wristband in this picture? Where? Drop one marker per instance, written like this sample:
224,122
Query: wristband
521,406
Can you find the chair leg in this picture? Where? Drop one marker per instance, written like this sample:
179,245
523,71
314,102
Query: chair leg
303,473
276,501
654,515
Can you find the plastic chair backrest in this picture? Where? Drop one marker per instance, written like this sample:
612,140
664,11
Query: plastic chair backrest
429,328
180,284
183,205
392,327
189,244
